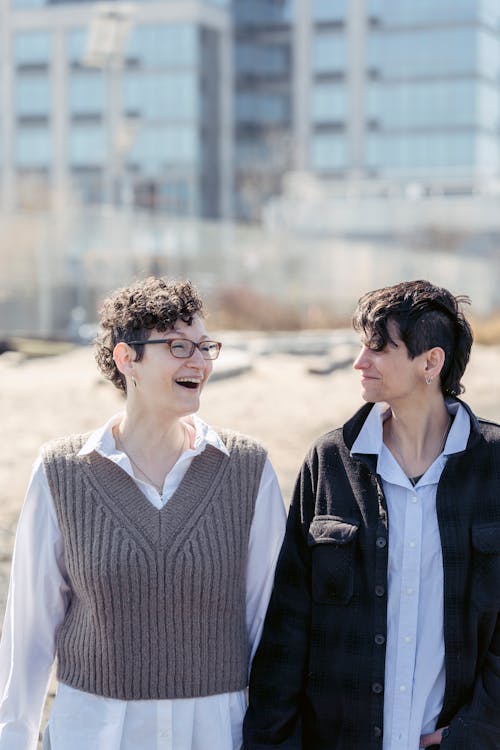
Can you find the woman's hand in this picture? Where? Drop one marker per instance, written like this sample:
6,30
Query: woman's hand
426,740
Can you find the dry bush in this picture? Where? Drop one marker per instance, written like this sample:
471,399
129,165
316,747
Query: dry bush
241,308
487,330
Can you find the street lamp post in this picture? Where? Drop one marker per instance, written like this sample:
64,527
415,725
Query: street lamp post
108,33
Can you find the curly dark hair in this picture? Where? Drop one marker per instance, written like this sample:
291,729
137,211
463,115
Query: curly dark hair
132,312
425,316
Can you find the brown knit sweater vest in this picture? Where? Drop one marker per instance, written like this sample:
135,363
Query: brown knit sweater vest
157,606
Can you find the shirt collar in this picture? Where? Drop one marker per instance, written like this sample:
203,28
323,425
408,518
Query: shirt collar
102,440
370,439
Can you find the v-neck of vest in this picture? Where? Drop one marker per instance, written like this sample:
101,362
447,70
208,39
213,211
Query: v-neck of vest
160,526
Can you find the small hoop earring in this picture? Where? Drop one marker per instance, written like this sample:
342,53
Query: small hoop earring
428,379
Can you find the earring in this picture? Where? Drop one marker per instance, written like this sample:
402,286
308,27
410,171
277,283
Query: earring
134,381
429,379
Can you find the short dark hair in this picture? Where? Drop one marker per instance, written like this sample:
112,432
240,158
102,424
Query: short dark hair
132,313
425,316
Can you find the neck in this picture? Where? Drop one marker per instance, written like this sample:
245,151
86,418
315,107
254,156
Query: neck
415,434
153,445
150,431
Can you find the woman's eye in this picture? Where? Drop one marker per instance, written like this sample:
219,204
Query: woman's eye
178,346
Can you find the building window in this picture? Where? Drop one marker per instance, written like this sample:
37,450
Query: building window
262,59
488,53
28,3
329,11
175,45
418,104
263,13
428,52
328,152
405,12
88,146
33,148
86,93
31,48
162,96
429,152
262,109
329,53
329,103
77,45
156,147
32,95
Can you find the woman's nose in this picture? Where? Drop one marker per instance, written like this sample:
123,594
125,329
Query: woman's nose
197,361
361,360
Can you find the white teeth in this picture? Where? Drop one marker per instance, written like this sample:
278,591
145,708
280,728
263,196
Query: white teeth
188,380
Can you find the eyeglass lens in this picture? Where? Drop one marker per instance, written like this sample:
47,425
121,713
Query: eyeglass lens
184,348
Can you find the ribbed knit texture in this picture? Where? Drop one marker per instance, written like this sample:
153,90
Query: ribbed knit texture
157,604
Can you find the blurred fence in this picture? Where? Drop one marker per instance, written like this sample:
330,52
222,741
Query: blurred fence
55,268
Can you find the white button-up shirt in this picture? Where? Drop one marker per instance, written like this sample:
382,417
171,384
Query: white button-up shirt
414,667
36,605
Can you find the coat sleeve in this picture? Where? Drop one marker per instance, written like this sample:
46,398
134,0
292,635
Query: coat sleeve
477,725
280,665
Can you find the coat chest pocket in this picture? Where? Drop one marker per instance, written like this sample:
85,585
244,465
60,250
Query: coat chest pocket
332,542
486,565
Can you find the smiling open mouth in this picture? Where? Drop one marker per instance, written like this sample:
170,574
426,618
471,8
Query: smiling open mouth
188,382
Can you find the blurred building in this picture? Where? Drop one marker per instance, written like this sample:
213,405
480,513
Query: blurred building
117,103
392,97
405,89
264,84
198,107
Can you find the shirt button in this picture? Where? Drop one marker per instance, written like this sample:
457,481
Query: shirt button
402,688
409,591
408,639
381,542
414,498
377,732
377,688
379,590
379,639
413,545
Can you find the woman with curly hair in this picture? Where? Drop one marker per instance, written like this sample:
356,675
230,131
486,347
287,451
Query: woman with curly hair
144,555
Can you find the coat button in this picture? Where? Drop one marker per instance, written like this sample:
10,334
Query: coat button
377,732
377,688
381,542
379,639
379,590
332,591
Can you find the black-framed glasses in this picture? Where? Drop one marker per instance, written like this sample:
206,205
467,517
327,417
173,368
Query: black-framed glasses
184,348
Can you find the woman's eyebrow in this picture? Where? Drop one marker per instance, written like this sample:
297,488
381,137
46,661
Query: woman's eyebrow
183,335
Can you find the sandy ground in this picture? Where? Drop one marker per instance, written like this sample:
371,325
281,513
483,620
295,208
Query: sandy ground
278,401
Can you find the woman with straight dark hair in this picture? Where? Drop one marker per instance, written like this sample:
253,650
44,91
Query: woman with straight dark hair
383,630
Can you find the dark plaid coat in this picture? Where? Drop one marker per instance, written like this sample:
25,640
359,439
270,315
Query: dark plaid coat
317,680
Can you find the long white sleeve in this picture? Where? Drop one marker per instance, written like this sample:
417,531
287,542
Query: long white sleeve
266,537
35,606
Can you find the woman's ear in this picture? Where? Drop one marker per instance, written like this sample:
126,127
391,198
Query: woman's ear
434,362
124,357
